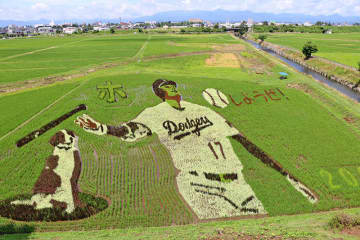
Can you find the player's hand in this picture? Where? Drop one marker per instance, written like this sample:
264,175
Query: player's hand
90,125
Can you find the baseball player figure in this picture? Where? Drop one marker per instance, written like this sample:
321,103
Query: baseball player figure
210,178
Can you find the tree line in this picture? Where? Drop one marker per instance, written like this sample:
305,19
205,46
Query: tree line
305,29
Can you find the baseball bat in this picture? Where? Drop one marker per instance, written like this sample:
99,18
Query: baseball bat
266,159
31,136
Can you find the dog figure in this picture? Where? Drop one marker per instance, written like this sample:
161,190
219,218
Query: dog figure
57,183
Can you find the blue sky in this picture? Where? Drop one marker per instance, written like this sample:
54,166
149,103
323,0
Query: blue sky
91,9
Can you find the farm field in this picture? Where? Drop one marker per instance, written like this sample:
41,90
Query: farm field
302,226
340,47
25,59
311,131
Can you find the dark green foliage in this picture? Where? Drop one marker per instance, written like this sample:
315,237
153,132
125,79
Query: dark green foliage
262,37
343,221
358,65
308,49
112,30
92,205
307,29
243,28
11,228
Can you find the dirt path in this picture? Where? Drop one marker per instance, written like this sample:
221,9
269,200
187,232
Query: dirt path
175,55
140,54
39,50
27,53
42,111
137,55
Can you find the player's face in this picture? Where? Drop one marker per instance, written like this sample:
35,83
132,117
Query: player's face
171,90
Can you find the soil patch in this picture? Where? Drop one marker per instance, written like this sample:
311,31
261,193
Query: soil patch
300,86
229,47
17,86
92,205
175,55
223,60
354,231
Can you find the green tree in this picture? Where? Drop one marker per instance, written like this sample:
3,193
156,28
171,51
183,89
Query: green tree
216,26
308,49
262,37
359,66
243,29
112,30
182,30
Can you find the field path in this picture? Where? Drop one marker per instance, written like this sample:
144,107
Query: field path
27,53
140,53
39,50
175,55
42,111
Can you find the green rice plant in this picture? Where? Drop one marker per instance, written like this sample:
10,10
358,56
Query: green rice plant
138,179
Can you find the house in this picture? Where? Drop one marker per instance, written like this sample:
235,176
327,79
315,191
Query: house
195,20
101,28
124,25
11,29
179,26
29,30
307,24
70,30
250,22
45,30
227,25
196,25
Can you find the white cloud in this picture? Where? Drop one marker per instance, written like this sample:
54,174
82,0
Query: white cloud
85,9
39,6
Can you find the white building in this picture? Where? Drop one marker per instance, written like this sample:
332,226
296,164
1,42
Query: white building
11,29
101,28
45,30
70,30
227,25
307,24
179,27
196,25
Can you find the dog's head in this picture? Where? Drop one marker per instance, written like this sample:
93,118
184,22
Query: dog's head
64,139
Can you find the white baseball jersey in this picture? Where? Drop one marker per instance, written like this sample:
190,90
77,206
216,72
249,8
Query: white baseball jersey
197,139
196,136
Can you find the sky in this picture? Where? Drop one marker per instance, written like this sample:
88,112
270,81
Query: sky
24,10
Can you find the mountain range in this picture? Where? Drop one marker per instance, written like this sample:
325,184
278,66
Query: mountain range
218,15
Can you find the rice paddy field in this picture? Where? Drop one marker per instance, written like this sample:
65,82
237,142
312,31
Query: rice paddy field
312,131
340,47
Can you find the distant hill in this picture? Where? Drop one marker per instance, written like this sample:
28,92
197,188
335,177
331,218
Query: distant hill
218,15
232,16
